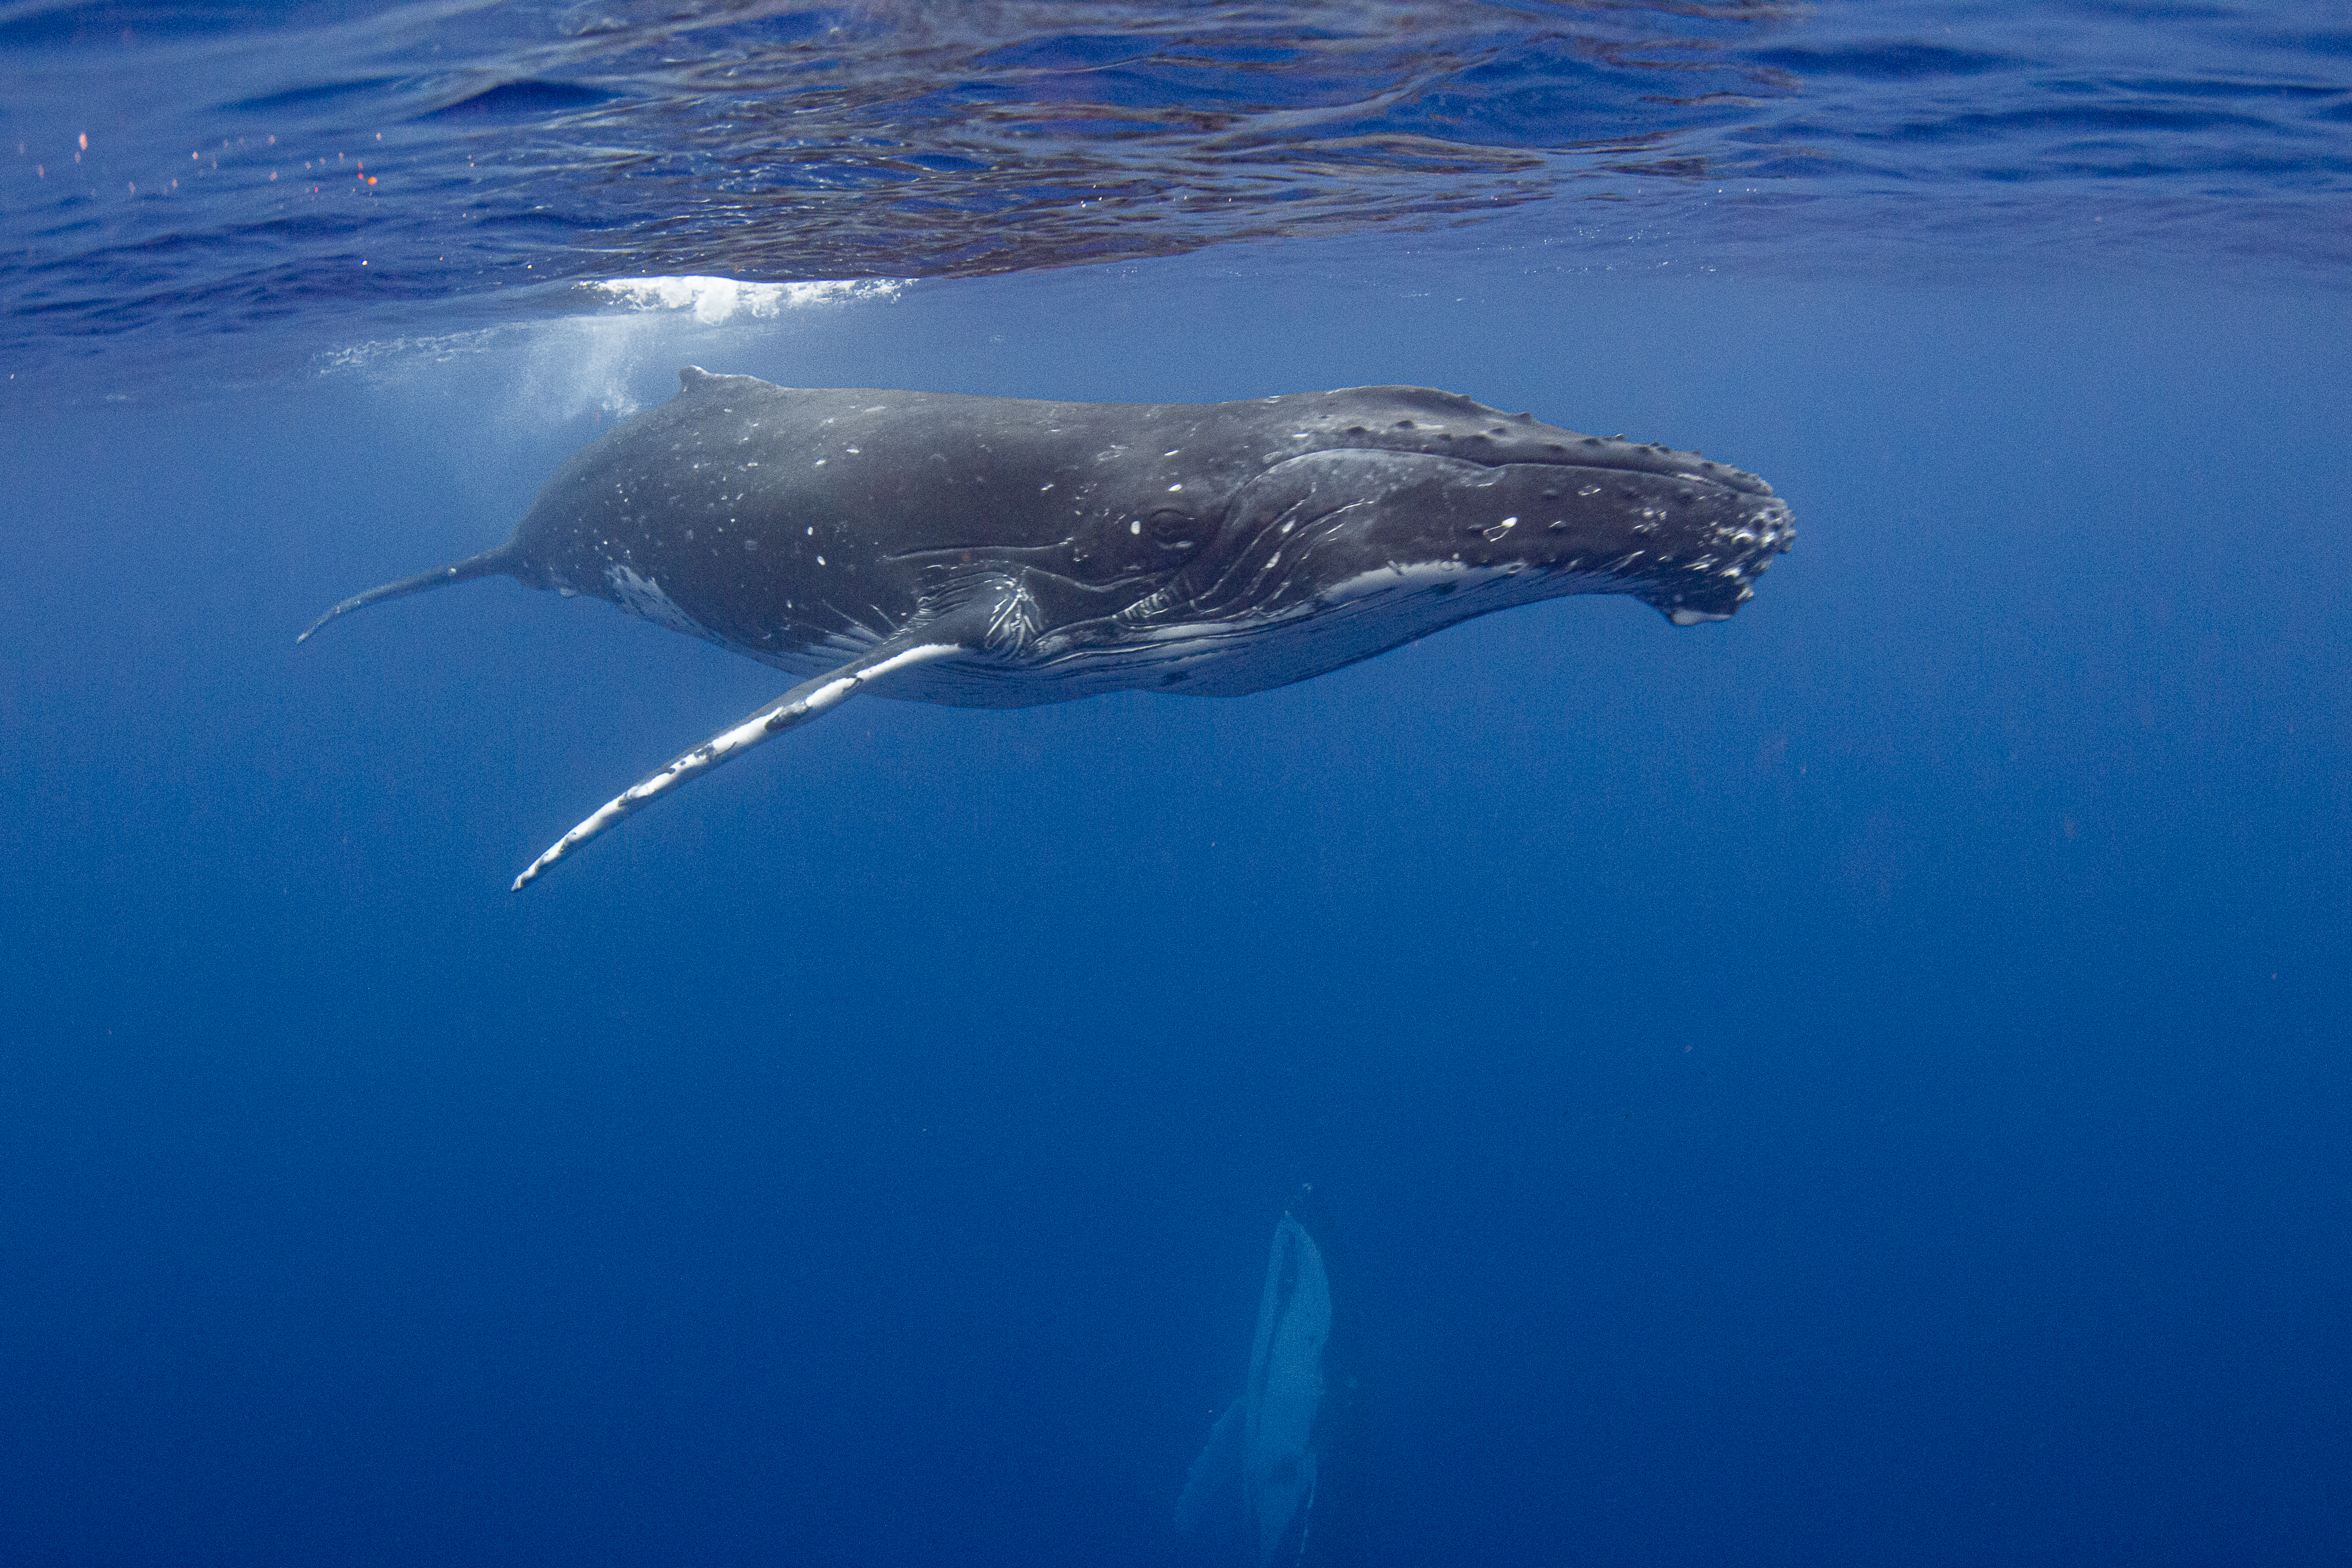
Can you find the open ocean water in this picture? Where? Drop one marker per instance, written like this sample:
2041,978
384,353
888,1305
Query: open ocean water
1864,1082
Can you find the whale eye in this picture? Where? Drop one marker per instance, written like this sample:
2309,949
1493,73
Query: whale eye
1173,530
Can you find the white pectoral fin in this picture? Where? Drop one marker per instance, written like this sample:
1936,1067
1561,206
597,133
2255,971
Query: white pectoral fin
804,702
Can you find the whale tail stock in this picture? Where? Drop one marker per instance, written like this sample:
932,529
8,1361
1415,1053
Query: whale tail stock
488,563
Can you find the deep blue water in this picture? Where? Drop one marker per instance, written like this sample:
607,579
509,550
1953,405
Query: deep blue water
1864,1082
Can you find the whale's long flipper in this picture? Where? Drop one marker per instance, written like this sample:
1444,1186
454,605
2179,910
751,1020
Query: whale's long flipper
970,628
488,563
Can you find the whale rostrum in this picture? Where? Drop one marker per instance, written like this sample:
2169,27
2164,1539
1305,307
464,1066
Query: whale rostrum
995,552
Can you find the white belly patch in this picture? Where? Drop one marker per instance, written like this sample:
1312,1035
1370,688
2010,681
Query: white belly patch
642,596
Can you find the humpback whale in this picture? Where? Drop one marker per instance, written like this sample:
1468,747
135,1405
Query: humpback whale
992,552
1250,1495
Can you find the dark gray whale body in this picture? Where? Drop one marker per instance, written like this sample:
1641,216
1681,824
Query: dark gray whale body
991,551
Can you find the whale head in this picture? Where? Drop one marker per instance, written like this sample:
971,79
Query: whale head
1437,488
1375,515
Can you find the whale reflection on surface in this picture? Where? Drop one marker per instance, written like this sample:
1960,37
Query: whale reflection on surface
1251,1496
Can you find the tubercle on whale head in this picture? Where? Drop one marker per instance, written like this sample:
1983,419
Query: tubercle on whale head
1712,585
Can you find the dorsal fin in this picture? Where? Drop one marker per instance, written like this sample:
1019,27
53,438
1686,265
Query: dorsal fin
693,381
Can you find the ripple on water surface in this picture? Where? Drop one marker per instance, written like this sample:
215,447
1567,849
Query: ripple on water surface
226,167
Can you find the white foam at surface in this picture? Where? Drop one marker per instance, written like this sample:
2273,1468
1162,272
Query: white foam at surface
716,299
592,358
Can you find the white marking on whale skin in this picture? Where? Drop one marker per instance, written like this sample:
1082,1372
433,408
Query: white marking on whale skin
642,596
1406,575
1694,617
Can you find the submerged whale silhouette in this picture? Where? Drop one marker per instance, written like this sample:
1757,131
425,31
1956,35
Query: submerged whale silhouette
1251,1496
992,551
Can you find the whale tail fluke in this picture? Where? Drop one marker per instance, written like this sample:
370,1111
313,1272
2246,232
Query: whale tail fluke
488,563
